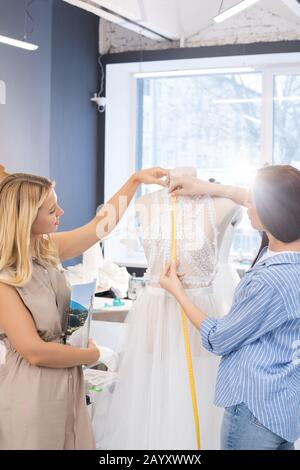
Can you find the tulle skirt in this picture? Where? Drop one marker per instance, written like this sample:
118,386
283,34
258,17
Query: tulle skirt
151,405
225,284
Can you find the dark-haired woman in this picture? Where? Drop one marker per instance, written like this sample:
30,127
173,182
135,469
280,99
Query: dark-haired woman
259,339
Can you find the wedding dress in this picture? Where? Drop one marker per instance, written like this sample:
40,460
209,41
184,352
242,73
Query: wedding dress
151,405
227,276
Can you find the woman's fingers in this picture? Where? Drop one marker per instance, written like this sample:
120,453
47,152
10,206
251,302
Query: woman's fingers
177,192
175,185
155,175
160,182
174,265
162,173
166,270
171,268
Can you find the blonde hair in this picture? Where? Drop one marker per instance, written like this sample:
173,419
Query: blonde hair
21,196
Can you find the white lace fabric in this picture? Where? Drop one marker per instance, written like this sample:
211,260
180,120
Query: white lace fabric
195,233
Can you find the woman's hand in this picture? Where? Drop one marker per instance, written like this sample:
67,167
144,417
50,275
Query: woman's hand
170,279
95,352
153,176
191,186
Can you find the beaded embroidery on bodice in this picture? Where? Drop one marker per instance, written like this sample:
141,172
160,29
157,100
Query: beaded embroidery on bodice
195,233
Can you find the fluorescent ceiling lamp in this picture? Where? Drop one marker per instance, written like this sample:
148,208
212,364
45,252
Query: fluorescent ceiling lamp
16,43
234,10
293,5
184,73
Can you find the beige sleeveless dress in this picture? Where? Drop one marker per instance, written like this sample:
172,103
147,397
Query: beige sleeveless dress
41,407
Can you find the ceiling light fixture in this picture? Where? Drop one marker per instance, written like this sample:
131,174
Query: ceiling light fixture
186,73
23,44
234,10
16,43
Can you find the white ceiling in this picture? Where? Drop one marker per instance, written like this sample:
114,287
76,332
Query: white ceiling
198,14
176,19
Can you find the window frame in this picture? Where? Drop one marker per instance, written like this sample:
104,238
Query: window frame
121,116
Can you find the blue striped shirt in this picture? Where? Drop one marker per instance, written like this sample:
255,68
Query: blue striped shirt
259,341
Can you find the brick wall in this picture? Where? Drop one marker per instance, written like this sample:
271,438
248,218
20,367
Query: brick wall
254,25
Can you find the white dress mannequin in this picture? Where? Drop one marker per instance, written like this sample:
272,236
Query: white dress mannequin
227,277
151,405
228,215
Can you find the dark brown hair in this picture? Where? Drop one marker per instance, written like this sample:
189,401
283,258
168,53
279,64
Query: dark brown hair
264,243
276,196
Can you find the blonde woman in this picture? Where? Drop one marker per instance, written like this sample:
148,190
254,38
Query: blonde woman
2,172
42,394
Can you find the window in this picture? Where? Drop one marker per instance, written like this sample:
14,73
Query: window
227,125
212,123
287,120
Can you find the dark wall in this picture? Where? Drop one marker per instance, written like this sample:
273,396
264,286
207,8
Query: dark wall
74,118
25,118
48,125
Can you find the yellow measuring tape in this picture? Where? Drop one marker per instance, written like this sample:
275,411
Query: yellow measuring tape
186,338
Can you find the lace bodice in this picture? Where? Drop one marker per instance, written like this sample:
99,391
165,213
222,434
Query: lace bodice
195,233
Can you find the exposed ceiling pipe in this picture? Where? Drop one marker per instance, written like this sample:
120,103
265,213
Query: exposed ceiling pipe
240,6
